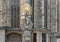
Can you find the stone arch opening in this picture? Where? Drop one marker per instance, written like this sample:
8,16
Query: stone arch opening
14,37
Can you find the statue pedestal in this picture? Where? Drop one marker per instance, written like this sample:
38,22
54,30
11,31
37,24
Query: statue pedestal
27,36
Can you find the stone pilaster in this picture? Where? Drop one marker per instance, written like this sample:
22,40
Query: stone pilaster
1,9
37,13
2,35
38,36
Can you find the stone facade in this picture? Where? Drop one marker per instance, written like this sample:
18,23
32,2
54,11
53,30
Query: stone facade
53,21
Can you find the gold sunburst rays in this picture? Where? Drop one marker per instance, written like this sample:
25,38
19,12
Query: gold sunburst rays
26,8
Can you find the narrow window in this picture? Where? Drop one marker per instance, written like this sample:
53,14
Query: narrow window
34,37
15,13
45,13
43,37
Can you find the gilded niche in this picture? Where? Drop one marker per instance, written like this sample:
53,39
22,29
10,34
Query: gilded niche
25,14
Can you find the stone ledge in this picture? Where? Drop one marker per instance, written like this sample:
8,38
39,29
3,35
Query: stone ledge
9,28
41,29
